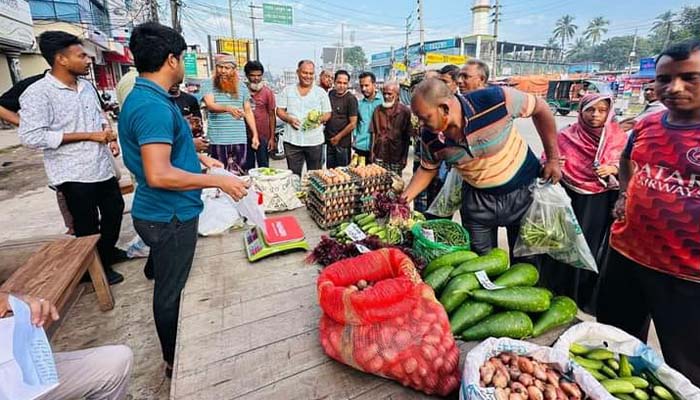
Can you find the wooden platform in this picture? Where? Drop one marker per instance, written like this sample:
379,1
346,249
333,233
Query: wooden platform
250,331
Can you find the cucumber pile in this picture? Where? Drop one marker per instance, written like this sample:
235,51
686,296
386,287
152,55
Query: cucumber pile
369,224
618,376
477,313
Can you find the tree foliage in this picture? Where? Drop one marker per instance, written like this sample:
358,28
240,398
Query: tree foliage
596,29
565,29
355,56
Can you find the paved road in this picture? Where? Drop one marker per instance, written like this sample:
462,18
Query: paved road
527,129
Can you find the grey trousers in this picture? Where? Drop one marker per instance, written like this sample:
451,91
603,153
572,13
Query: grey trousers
297,155
98,373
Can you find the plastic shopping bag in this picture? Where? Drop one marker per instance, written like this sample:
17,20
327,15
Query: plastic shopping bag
550,227
595,335
219,214
492,347
394,327
449,199
137,248
250,206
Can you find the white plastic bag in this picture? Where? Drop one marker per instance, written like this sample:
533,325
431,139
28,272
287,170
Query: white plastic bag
593,334
449,199
470,389
249,207
219,214
550,227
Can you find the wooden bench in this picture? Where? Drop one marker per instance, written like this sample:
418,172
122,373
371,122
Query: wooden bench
54,272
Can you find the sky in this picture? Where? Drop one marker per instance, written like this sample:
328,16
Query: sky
377,25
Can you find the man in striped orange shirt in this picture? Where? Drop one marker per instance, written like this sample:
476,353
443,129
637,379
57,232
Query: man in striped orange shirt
475,133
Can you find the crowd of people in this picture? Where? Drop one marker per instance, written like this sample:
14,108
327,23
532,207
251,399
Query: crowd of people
636,195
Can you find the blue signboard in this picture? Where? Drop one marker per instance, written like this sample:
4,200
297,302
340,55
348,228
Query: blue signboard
647,64
441,46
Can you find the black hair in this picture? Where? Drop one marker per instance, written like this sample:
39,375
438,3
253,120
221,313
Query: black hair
451,70
341,72
151,43
681,51
54,42
302,62
368,74
254,65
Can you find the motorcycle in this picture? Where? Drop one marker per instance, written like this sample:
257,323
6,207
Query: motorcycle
278,153
110,107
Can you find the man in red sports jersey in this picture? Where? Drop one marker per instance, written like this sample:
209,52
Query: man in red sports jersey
653,268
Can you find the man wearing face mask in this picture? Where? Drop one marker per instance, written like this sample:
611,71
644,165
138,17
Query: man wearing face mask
263,102
476,135
391,131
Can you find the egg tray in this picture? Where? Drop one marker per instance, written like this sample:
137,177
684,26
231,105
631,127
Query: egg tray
323,221
325,190
333,203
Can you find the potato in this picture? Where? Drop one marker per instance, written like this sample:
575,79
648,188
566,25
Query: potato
540,373
550,392
501,394
526,365
553,378
487,371
500,380
526,379
520,389
515,396
514,372
570,389
534,393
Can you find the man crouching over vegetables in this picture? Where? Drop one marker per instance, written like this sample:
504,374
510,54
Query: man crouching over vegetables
653,269
475,134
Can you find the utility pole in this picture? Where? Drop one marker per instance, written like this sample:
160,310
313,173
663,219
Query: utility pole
421,50
252,28
230,18
174,15
153,10
496,18
405,47
342,45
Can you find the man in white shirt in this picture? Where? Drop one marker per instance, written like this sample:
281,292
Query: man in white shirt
61,115
304,108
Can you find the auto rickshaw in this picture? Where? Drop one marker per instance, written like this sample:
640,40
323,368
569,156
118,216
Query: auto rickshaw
563,96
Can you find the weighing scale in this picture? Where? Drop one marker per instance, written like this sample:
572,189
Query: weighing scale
281,234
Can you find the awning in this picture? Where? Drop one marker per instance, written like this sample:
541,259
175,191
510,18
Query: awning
644,74
123,58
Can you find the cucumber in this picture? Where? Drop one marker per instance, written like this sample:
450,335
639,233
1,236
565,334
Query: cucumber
662,392
366,220
374,230
638,382
588,364
562,311
457,290
528,299
596,374
359,217
519,275
612,363
439,278
451,259
512,324
615,386
600,354
609,372
639,394
468,314
623,396
625,366
494,263
578,349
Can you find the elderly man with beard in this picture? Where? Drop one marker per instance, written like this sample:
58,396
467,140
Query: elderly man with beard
391,130
228,104
264,111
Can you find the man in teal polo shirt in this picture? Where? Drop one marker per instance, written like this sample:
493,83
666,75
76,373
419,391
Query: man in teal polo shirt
158,150
362,137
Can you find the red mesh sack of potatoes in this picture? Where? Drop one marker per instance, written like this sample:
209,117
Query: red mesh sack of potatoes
379,317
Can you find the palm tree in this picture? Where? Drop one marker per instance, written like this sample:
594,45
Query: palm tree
663,26
596,29
564,29
580,46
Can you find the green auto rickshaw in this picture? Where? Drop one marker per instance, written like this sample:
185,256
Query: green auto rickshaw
563,96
